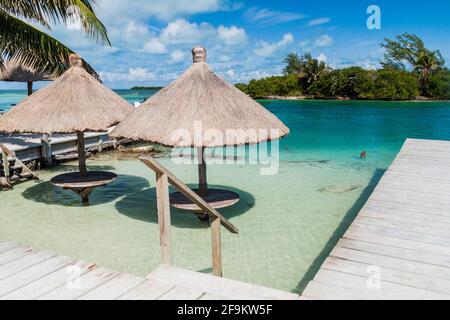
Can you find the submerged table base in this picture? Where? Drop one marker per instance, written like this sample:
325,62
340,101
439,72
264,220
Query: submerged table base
84,184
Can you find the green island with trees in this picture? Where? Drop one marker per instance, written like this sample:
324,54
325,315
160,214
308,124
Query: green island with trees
409,71
147,88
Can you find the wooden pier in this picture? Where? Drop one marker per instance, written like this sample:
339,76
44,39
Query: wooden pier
398,247
27,274
29,147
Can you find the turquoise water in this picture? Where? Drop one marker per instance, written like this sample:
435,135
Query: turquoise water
288,222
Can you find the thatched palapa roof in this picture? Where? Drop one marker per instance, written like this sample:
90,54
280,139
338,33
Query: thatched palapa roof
16,72
75,102
199,96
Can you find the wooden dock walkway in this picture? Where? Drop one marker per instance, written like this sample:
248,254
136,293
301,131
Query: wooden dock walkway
27,274
29,147
398,247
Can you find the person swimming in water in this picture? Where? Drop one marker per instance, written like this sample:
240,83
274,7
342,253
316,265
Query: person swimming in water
363,155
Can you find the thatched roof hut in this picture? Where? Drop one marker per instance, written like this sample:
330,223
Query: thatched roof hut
199,109
76,102
16,72
199,96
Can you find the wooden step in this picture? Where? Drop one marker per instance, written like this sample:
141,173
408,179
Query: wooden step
221,287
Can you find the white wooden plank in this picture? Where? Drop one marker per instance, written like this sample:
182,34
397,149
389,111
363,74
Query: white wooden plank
213,297
50,282
149,290
402,277
355,234
385,290
33,273
80,285
402,234
15,253
23,263
181,293
218,286
320,291
6,246
393,263
416,228
393,213
400,253
115,288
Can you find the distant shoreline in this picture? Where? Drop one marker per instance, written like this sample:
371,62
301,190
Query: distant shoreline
146,88
309,98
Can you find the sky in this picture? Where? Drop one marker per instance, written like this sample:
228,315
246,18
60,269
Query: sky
246,39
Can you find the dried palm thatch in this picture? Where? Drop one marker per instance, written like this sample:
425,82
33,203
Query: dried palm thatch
75,102
200,97
15,72
199,109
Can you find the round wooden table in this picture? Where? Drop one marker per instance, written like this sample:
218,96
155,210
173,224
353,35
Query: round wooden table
216,198
83,185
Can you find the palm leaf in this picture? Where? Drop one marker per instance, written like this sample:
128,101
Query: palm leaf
46,12
34,48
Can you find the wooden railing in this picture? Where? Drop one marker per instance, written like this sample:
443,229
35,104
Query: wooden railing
6,155
163,178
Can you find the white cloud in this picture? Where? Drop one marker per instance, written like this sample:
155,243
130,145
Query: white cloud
181,31
245,76
264,16
322,58
324,41
177,56
224,58
232,36
115,12
266,49
318,21
133,74
154,46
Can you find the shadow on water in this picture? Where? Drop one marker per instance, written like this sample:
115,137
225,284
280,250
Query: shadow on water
341,229
46,192
141,205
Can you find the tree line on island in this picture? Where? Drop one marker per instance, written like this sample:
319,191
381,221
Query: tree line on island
409,70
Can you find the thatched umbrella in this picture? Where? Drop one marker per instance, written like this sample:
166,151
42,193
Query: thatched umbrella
199,96
74,103
16,72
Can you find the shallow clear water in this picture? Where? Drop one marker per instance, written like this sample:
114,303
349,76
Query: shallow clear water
288,222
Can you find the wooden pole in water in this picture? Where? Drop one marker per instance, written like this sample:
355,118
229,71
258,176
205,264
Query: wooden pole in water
202,177
163,203
81,153
30,87
216,247
6,166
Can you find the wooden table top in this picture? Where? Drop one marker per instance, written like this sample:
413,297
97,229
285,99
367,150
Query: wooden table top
217,198
91,179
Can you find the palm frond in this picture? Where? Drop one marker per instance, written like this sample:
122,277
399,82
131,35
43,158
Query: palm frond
46,12
34,48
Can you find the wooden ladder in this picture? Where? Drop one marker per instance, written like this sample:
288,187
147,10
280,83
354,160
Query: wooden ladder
12,167
163,178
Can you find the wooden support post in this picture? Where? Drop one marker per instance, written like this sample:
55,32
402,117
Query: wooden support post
216,246
30,87
47,153
6,166
81,153
202,176
100,145
162,196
